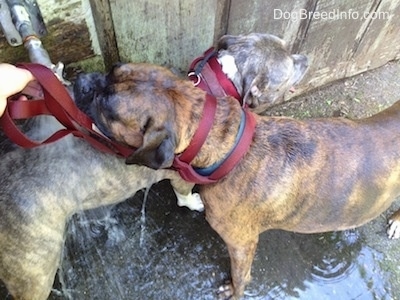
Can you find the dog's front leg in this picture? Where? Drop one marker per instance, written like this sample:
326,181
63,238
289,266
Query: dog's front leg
393,230
183,192
241,256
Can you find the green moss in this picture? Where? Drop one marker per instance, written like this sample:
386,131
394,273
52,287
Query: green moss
13,55
92,64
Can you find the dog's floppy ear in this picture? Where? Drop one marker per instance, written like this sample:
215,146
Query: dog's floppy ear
250,85
157,151
300,63
225,41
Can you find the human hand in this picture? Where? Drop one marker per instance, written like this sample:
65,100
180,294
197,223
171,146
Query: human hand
12,80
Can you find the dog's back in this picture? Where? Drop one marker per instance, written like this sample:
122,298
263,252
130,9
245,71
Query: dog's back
316,175
40,189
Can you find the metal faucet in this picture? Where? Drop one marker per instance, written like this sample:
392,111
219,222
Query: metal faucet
22,23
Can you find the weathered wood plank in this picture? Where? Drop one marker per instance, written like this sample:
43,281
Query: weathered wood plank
381,41
101,11
169,33
330,42
222,18
339,44
269,17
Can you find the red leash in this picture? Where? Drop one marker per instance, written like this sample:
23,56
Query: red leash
58,103
206,73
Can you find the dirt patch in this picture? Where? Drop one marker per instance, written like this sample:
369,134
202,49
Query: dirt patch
355,97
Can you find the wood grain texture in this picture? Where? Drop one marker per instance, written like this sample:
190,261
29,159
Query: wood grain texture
264,16
174,32
171,32
222,19
381,41
102,16
356,36
330,43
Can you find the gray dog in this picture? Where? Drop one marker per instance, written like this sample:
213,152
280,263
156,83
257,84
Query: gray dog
257,69
41,188
260,67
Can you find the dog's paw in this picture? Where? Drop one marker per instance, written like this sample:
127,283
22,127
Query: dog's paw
192,201
393,230
225,291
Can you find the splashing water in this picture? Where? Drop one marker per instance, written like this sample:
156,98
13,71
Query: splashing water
143,217
181,257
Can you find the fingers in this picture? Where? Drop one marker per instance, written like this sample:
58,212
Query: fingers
13,79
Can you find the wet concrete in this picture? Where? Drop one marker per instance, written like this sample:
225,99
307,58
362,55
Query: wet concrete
173,254
148,248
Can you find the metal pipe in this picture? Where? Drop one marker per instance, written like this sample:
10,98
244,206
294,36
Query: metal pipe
21,19
37,53
22,22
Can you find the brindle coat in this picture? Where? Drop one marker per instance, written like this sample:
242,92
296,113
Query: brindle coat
41,188
265,69
305,176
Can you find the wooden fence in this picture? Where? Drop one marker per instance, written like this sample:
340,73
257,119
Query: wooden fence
341,38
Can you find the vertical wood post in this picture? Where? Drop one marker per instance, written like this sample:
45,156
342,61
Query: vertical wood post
102,16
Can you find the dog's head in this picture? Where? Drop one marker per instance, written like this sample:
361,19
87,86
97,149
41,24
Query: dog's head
264,69
132,105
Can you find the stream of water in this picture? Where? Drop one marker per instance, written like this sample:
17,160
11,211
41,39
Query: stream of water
148,248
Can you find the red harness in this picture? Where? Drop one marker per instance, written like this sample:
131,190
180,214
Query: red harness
56,102
206,73
182,161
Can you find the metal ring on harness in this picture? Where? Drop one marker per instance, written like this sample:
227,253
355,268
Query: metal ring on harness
197,76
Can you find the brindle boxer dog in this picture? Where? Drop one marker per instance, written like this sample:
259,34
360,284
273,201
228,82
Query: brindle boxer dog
41,188
306,176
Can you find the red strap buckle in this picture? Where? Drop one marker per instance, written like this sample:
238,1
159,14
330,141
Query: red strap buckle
206,73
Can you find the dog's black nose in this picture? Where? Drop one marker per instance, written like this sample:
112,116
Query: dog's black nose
84,84
85,88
